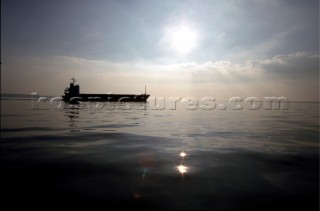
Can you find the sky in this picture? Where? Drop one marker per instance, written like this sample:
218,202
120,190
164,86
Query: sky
200,48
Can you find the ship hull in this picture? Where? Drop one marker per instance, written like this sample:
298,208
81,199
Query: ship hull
106,97
72,95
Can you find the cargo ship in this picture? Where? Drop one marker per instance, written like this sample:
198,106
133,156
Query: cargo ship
72,94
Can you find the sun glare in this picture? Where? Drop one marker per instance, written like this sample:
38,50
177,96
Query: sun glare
183,154
182,38
182,169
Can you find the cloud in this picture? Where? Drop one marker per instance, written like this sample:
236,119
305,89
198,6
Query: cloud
296,65
293,74
222,36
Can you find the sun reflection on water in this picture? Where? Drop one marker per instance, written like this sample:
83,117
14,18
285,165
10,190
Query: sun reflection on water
183,154
182,169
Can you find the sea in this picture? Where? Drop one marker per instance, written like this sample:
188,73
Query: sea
95,155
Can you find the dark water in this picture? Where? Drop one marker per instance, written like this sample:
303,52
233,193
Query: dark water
236,160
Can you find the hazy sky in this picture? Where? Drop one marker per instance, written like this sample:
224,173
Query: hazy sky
216,48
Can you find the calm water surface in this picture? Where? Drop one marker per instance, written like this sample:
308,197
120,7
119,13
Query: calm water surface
235,160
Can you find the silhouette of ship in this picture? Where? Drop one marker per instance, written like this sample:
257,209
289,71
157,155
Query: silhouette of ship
72,94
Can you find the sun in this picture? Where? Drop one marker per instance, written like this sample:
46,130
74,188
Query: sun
181,38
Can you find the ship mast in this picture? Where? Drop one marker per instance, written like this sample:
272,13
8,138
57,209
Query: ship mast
73,80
